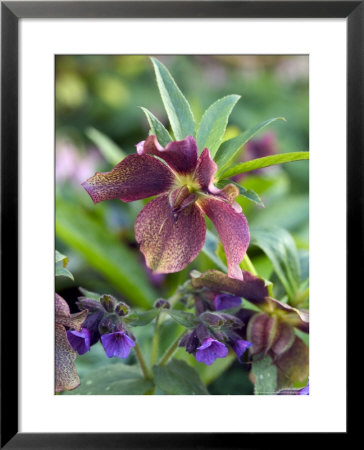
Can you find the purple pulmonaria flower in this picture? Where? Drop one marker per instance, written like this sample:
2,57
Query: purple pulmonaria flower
80,340
210,350
225,301
240,346
305,390
117,344
171,229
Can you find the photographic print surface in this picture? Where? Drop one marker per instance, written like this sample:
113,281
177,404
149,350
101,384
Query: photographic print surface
182,237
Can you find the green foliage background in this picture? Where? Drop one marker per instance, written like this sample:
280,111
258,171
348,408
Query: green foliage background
98,100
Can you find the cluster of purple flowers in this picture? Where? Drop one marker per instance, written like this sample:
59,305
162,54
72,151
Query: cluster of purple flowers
104,322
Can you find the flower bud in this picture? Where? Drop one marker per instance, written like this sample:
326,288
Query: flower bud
108,302
214,320
122,309
162,304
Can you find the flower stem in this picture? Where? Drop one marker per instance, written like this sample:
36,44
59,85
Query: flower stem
141,361
155,343
170,351
246,264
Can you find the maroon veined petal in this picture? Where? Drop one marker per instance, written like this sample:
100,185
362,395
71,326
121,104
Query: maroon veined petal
205,171
134,178
233,230
169,240
66,374
63,316
181,156
251,288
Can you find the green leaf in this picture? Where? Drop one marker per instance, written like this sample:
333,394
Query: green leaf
259,163
61,271
60,257
110,151
116,379
157,128
89,294
212,127
210,249
143,318
177,107
265,374
247,193
281,249
104,252
183,318
229,149
178,378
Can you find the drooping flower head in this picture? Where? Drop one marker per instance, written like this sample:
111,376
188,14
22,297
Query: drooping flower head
171,228
105,322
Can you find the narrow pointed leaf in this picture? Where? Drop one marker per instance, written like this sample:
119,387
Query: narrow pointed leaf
229,149
267,161
157,128
247,193
213,123
110,151
177,107
60,257
89,294
61,271
281,249
210,249
185,319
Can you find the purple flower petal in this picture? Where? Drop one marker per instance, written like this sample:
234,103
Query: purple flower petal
210,350
224,301
117,344
79,340
233,231
134,178
240,346
305,390
205,171
169,241
181,156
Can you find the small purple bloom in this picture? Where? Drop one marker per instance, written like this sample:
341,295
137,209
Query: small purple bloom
305,390
117,344
240,346
80,340
210,350
224,301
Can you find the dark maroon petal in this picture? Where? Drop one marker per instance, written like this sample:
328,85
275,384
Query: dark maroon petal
181,156
134,178
169,240
66,375
205,171
293,364
63,316
233,230
251,288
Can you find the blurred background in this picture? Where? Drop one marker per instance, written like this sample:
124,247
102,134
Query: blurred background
98,120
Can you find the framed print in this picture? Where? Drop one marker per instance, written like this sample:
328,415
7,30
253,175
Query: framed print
160,151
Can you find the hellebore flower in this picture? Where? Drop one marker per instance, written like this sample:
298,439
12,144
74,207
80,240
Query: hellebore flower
171,228
66,374
210,350
117,344
80,340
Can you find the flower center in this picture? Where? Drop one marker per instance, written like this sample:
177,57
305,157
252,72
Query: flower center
189,182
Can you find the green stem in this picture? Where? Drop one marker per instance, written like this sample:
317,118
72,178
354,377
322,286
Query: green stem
246,264
170,351
141,361
155,343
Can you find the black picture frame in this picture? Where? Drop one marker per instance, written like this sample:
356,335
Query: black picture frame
12,12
